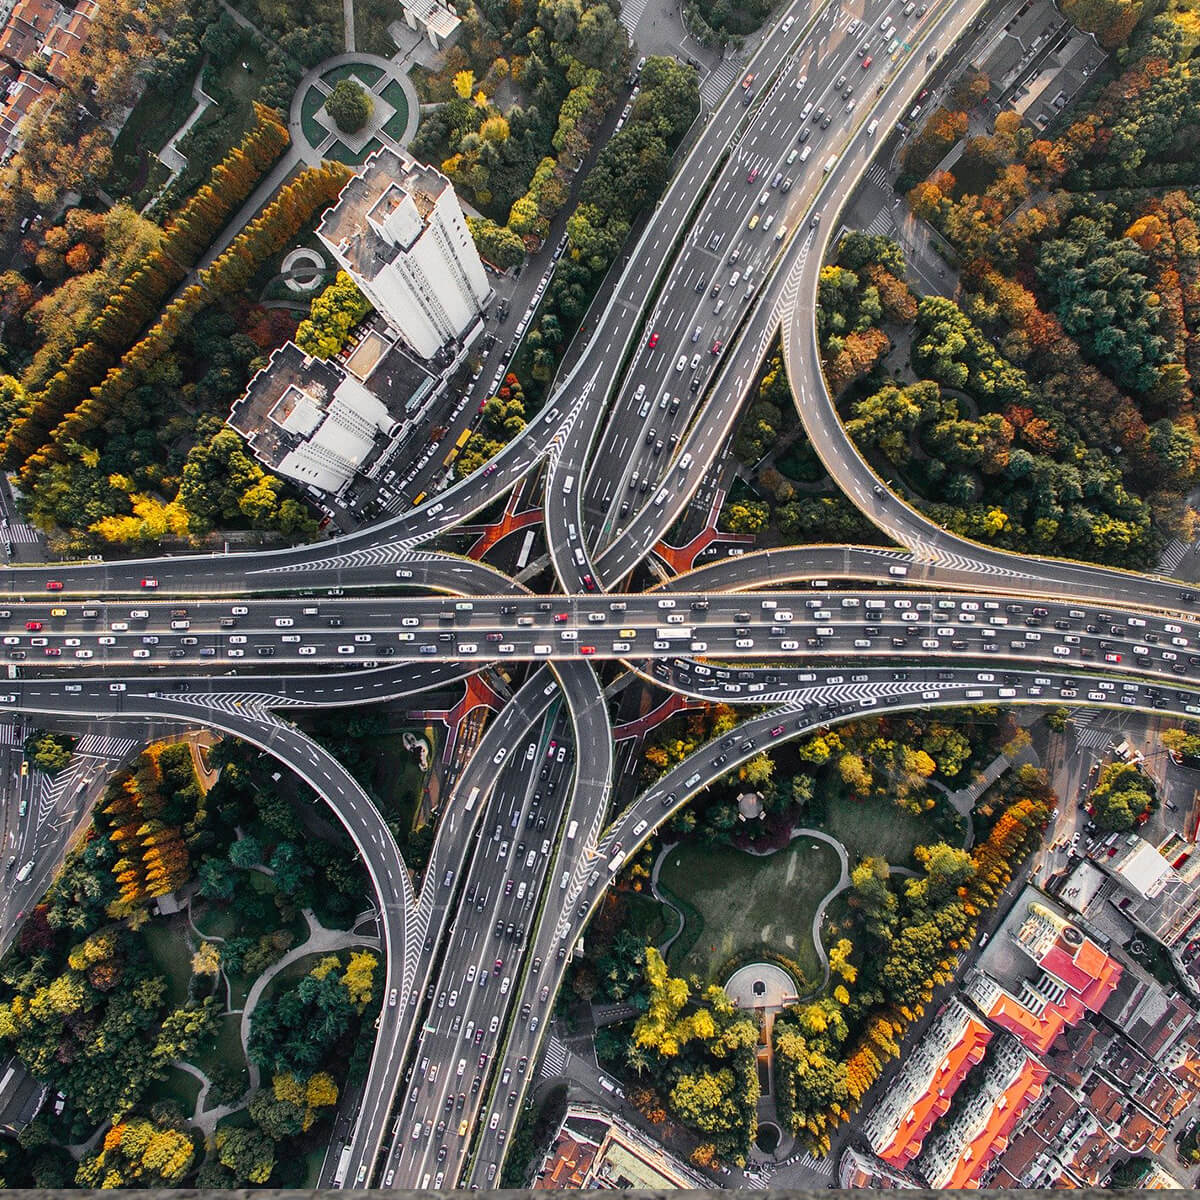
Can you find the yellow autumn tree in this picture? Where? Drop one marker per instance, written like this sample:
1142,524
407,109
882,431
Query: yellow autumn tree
359,977
464,83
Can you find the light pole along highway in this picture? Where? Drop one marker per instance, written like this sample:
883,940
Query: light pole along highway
1089,644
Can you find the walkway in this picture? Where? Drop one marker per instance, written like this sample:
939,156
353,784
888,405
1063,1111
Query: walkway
510,522
683,558
479,693
638,728
393,71
319,941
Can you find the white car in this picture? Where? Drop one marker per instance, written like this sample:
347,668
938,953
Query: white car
107,640
284,622
744,643
239,610
140,653
345,650
236,652
681,363
410,620
308,649
83,654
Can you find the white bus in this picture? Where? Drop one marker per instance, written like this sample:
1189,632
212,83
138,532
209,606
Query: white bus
526,547
472,798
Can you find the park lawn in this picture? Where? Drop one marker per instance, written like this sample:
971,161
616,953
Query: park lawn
876,826
314,131
399,781
168,947
368,74
647,919
225,1050
179,1086
746,902
342,153
396,124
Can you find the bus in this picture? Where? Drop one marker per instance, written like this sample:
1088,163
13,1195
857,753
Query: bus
572,829
339,1176
526,547
418,498
463,439
472,798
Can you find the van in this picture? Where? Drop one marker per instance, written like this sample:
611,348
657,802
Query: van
568,484
900,572
805,154
830,163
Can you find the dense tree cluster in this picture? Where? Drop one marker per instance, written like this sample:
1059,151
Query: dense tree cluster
86,1008
700,1052
332,317
350,105
1082,280
1124,796
49,752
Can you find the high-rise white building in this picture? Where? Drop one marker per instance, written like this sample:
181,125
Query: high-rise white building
309,420
399,231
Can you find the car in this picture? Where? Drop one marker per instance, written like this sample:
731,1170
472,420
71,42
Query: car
748,81
653,341
715,348
679,366
752,175
866,63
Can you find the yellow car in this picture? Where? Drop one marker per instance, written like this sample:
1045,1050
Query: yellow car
58,612
753,221
628,633
462,1129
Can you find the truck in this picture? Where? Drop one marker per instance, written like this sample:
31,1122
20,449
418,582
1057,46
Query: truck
339,1176
668,633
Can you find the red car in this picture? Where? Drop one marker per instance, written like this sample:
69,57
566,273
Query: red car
589,583
149,583
867,63
752,175
748,81
53,651
33,626
560,618
1112,658
653,341
54,585
587,649
716,348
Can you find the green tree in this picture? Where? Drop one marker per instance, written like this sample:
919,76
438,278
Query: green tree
49,752
350,105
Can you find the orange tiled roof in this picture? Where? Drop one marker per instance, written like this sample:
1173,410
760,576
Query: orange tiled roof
960,1058
992,1139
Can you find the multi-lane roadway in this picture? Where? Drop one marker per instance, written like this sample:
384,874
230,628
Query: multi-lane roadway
527,845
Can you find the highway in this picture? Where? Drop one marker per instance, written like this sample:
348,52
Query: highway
527,844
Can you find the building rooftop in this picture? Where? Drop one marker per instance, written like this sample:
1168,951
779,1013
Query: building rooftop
434,16
597,1150
382,211
26,29
950,1047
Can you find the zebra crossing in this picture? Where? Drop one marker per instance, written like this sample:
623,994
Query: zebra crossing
556,1058
22,534
716,83
10,737
1086,736
879,177
1173,554
881,224
104,746
631,13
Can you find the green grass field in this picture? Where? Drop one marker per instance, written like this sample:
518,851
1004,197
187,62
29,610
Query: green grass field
746,902
877,826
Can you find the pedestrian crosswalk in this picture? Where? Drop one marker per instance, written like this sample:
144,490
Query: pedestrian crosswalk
881,223
1173,554
102,746
554,1061
717,82
20,533
10,737
879,177
631,13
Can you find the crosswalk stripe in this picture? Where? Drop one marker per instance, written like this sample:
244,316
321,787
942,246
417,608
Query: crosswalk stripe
1173,554
554,1061
21,533
717,82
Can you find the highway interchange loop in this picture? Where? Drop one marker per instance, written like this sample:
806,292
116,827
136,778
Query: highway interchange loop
817,633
